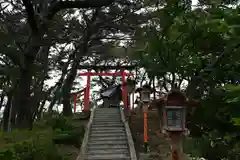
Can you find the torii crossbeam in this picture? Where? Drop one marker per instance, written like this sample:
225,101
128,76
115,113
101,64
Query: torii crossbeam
87,91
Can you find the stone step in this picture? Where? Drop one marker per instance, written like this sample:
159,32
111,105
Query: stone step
108,125
110,131
107,128
109,157
104,134
106,147
107,120
107,113
107,117
112,118
115,142
98,152
118,138
107,109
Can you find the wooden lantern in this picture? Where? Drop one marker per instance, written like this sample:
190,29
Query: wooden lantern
145,93
174,112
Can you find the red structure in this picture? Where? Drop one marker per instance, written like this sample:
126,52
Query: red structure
75,96
87,90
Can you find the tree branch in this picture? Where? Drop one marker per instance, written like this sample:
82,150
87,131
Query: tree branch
143,79
76,4
31,16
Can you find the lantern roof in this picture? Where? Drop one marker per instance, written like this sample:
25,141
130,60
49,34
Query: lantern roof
176,93
176,97
173,93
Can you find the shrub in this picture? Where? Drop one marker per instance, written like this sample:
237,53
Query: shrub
41,143
70,137
36,147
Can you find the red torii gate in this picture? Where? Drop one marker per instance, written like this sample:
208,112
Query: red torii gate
75,96
123,74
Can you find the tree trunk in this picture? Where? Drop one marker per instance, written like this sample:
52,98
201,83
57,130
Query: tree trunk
82,48
66,90
154,87
34,103
40,109
6,112
21,101
1,100
57,88
54,100
39,94
22,97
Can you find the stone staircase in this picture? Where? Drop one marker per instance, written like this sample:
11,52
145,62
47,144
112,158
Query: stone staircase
107,137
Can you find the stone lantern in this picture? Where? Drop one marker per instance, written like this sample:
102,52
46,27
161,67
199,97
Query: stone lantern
145,93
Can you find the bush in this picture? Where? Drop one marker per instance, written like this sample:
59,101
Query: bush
62,123
71,137
41,143
66,133
37,147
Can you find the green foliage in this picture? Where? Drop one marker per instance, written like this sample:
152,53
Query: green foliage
35,146
71,137
202,42
200,46
215,126
42,143
66,133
